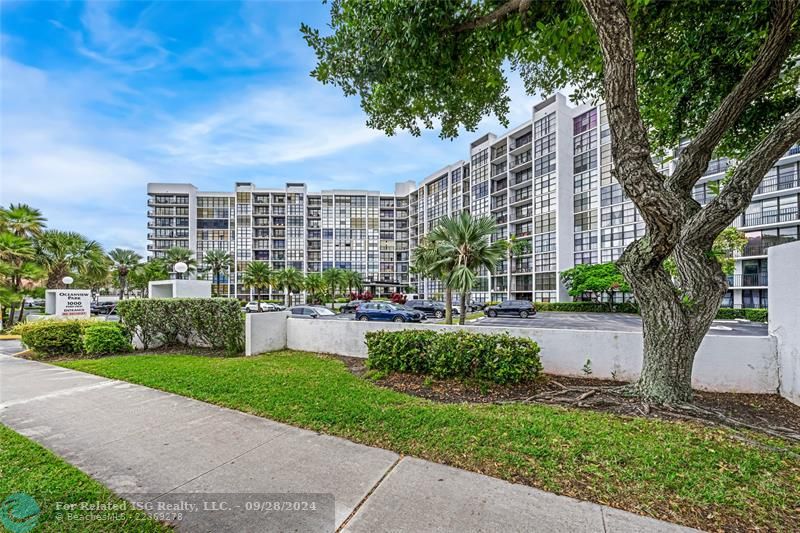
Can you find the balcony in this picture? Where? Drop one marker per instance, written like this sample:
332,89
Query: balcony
748,280
776,183
517,180
758,248
768,217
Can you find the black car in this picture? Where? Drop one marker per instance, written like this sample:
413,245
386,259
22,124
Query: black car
103,308
520,308
430,307
351,306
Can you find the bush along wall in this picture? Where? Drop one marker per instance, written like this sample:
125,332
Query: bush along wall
217,323
500,358
756,315
52,338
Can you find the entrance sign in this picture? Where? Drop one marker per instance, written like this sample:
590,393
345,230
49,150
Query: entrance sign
73,303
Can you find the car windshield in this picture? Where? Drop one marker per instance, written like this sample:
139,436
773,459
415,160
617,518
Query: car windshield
398,307
323,311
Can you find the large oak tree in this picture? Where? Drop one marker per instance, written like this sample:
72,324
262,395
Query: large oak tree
721,73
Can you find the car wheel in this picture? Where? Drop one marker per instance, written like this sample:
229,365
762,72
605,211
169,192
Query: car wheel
398,319
438,314
492,313
364,318
523,314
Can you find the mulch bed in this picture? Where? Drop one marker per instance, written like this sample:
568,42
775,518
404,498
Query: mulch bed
766,413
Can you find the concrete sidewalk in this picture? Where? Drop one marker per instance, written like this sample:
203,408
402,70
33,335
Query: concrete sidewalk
149,445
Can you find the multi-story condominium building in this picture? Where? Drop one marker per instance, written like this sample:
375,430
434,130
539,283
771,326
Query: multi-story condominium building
548,182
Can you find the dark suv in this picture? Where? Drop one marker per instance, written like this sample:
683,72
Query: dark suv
430,307
351,306
520,308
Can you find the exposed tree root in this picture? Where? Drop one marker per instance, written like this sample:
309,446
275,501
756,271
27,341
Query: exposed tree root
621,400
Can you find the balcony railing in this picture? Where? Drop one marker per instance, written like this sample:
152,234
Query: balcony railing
776,183
768,217
521,179
748,280
759,248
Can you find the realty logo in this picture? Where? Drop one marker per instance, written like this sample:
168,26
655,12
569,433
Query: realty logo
19,513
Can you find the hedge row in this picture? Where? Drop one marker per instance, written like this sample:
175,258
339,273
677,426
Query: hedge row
756,315
460,354
587,307
215,322
74,337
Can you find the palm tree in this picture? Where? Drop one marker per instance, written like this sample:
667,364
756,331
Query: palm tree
315,285
123,261
217,261
258,276
429,263
334,278
22,220
65,252
290,280
153,270
466,242
177,254
513,246
15,259
353,280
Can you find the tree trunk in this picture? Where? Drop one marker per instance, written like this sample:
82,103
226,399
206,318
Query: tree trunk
462,309
288,297
674,319
448,305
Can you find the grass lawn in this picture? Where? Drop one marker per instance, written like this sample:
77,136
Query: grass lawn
684,473
29,468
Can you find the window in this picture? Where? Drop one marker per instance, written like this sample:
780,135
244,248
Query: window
545,262
584,202
544,126
612,195
545,165
586,258
546,281
584,142
585,221
585,181
585,241
545,222
544,243
544,145
585,161
584,122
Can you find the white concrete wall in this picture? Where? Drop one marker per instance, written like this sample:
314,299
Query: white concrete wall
265,332
179,288
723,363
784,314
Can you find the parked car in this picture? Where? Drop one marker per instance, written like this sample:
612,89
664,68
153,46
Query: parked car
430,307
252,307
388,312
309,311
520,308
103,308
351,306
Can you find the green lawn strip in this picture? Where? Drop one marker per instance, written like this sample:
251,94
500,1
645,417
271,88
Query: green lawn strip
693,475
26,467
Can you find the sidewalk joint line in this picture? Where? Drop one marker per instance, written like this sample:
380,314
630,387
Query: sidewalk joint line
223,463
603,517
368,494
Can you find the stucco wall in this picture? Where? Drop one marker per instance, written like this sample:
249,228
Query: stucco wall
265,332
784,314
723,363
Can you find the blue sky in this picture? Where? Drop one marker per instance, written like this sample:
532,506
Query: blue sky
100,98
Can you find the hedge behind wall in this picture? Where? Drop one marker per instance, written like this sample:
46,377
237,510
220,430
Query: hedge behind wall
216,322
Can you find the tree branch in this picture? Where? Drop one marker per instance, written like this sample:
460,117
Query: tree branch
758,78
661,210
500,14
707,223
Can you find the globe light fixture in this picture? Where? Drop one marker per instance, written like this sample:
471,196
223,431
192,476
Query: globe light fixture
180,267
67,280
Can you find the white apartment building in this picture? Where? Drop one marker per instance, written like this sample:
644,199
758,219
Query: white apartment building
547,181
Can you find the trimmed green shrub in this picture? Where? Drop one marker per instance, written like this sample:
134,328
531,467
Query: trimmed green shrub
53,337
215,322
587,307
104,338
459,354
756,315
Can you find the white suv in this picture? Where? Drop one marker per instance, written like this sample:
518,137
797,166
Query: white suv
252,307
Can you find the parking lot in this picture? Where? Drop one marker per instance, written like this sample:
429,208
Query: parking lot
613,322
598,322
